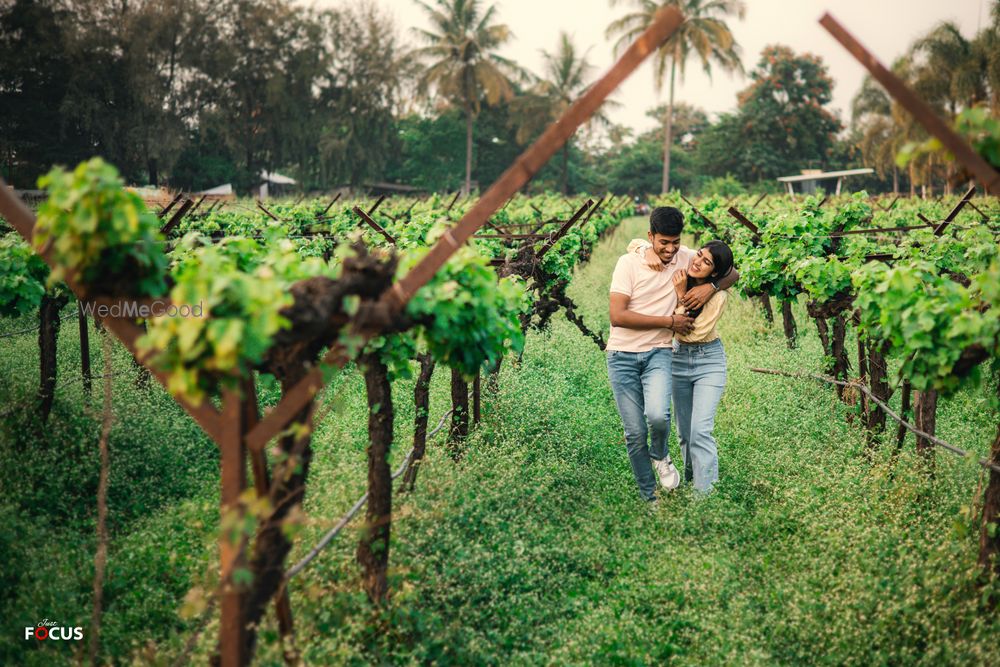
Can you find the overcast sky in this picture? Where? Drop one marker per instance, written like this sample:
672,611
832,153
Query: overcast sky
886,27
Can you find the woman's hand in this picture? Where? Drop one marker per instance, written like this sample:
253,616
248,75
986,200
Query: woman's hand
652,260
680,283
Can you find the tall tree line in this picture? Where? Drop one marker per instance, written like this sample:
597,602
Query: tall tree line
201,91
196,93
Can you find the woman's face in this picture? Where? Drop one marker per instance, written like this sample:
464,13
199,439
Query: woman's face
702,266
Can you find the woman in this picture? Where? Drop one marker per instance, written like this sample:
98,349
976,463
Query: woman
699,366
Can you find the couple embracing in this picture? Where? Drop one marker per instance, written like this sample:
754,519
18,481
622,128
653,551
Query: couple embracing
666,300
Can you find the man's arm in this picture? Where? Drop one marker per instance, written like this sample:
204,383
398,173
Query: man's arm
621,316
697,297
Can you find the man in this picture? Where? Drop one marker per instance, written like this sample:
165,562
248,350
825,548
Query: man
640,347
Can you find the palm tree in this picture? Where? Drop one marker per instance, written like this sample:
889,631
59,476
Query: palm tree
987,47
462,64
686,119
886,127
879,136
949,72
565,77
704,32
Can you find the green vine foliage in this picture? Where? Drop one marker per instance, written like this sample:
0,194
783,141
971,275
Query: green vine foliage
936,305
230,273
233,315
100,231
473,317
929,320
823,278
23,275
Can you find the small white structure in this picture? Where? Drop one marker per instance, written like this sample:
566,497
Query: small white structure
809,178
272,178
219,191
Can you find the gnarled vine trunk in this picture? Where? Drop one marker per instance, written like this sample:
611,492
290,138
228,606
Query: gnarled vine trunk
421,402
765,304
373,549
48,335
989,538
824,339
460,416
925,419
287,491
904,412
863,377
841,364
788,320
879,383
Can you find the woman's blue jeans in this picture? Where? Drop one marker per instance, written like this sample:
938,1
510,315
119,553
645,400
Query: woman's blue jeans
640,382
699,376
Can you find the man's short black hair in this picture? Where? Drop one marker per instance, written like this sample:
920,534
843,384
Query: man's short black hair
666,220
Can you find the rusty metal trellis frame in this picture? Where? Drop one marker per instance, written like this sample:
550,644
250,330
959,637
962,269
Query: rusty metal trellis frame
366,217
745,221
939,230
963,152
563,230
510,182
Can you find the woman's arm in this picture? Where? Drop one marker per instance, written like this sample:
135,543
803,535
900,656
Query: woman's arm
643,249
638,246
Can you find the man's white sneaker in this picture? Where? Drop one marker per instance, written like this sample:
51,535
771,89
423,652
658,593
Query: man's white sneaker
665,470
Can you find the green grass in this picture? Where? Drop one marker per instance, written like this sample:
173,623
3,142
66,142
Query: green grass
534,549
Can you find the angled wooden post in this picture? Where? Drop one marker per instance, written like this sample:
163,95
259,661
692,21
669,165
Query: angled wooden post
330,205
563,230
173,202
267,212
939,230
711,225
232,552
517,175
956,145
176,217
743,220
374,225
592,211
375,206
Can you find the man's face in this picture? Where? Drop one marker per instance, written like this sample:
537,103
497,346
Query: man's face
665,246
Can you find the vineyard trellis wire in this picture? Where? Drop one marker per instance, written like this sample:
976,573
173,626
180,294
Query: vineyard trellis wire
958,451
356,507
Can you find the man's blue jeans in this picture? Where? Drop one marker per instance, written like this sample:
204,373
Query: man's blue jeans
699,376
640,382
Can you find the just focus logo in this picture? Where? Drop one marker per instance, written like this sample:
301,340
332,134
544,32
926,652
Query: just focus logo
47,629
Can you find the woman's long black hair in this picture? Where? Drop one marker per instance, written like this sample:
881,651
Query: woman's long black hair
722,258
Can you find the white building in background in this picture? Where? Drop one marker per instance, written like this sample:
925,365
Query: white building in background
273,180
810,177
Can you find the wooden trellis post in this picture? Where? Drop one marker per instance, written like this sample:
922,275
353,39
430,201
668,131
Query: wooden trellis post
232,552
